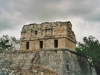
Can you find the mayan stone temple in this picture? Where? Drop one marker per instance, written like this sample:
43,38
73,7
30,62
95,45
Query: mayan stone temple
48,36
48,48
52,48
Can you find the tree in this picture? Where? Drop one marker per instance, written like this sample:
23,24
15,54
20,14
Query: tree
14,42
8,42
90,49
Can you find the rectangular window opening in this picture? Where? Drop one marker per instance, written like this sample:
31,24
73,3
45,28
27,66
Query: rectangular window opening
41,44
55,43
27,45
35,32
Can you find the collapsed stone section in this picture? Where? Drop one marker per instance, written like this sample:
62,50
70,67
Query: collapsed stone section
48,35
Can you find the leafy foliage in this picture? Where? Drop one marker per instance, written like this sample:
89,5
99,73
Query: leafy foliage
90,48
7,42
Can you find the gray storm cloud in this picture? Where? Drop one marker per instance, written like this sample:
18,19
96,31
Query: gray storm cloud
84,14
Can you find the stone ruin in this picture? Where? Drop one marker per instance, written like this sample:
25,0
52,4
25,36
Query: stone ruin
45,49
48,35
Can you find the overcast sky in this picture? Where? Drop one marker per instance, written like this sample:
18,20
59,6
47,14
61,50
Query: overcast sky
83,14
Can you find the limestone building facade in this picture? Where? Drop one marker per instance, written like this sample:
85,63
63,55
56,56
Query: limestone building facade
48,35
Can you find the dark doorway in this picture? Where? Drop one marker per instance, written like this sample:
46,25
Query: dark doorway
27,45
55,43
41,44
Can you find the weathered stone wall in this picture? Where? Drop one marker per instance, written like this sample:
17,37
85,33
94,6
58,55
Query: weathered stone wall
48,44
48,32
44,62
